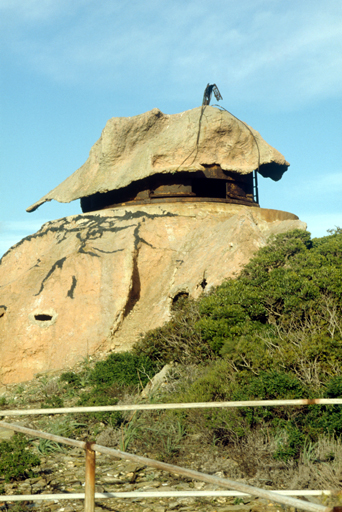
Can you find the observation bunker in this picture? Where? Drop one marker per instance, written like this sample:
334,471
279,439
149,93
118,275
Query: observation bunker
201,155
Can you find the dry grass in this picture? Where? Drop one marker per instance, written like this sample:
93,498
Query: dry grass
322,461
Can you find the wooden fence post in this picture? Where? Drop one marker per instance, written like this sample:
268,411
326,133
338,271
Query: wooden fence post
89,501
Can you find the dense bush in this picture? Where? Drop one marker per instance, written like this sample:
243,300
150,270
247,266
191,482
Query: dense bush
109,380
275,332
124,368
179,340
101,396
282,312
53,401
292,284
71,378
16,459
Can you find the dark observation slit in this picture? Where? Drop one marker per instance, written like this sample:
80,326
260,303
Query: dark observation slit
181,296
43,318
210,184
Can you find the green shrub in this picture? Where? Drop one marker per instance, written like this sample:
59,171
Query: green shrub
71,378
124,368
276,332
16,459
268,386
53,401
283,309
101,396
219,381
109,380
75,381
179,340
285,281
290,449
334,388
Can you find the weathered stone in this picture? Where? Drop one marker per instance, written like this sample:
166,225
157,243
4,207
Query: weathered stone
133,148
95,282
156,381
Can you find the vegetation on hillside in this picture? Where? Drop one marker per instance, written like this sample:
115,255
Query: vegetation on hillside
16,460
273,332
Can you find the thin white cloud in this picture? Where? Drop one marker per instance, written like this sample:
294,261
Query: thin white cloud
268,50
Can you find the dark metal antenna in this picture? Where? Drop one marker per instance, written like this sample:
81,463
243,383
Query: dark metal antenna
208,92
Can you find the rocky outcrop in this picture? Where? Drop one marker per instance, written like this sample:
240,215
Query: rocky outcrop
95,282
131,149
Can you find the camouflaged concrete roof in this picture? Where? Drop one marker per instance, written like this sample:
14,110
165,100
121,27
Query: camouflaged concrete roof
133,148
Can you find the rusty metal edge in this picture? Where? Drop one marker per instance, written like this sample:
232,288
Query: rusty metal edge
187,199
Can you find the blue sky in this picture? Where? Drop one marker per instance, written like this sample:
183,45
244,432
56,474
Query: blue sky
67,67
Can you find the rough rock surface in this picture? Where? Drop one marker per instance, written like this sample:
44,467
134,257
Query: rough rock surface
94,282
133,148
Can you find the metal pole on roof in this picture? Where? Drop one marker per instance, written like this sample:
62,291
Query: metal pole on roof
256,191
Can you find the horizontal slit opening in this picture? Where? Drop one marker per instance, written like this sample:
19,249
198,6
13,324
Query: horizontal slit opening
43,318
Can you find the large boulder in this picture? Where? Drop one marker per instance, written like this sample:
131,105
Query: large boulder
131,149
95,282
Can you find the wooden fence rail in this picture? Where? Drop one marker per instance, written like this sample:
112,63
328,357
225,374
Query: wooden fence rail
154,494
92,448
155,407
